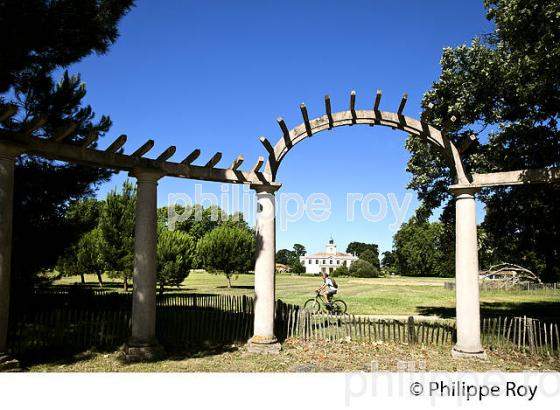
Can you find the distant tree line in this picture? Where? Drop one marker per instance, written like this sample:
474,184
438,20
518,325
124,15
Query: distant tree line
503,86
209,239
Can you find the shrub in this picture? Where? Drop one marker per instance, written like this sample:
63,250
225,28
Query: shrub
363,269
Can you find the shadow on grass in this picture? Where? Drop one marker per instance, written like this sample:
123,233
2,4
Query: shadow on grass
236,287
55,358
545,311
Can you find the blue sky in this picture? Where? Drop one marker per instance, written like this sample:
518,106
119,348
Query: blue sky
215,75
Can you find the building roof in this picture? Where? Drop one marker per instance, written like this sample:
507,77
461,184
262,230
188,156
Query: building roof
327,255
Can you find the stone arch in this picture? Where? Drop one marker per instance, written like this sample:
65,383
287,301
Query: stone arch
394,120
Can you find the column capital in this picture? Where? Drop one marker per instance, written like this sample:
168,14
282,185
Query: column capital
146,175
464,190
268,189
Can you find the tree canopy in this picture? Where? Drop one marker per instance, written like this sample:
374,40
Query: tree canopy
175,256
362,269
505,88
117,231
420,250
44,37
372,256
227,249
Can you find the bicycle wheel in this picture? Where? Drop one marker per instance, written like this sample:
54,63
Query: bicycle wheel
312,306
339,307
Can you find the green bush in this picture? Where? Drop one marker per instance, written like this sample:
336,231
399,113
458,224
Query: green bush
340,271
175,251
228,250
363,269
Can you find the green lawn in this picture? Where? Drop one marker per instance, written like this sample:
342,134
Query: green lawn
304,356
380,296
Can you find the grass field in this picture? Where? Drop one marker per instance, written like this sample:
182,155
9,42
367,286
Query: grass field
305,356
391,296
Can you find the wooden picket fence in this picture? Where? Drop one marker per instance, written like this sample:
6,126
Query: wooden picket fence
521,333
324,326
181,319
531,288
57,321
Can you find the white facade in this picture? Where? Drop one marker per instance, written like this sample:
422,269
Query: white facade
327,261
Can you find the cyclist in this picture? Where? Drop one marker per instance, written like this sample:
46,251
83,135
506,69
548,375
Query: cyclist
327,289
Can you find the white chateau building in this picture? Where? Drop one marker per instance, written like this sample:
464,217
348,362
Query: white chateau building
327,261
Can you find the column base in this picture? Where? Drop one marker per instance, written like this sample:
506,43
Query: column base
8,363
142,353
459,354
263,345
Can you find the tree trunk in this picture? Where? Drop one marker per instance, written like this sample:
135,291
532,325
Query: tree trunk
228,281
99,279
125,284
161,288
83,280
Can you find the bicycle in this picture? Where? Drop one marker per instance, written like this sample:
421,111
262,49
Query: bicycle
317,303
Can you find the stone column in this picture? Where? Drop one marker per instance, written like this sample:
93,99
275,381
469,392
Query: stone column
264,340
7,165
467,277
143,343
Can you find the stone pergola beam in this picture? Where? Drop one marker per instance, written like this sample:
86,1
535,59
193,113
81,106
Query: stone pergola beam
509,178
65,132
34,124
214,160
267,145
285,130
189,159
377,100
305,116
140,152
89,139
353,105
258,165
402,104
168,153
467,143
328,109
8,112
116,144
236,162
367,117
80,154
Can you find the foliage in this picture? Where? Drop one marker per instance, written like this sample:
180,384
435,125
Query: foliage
342,270
175,254
420,250
116,225
388,263
89,253
284,256
197,220
357,248
227,249
299,250
291,258
296,266
84,257
41,37
363,269
67,263
505,85
371,257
